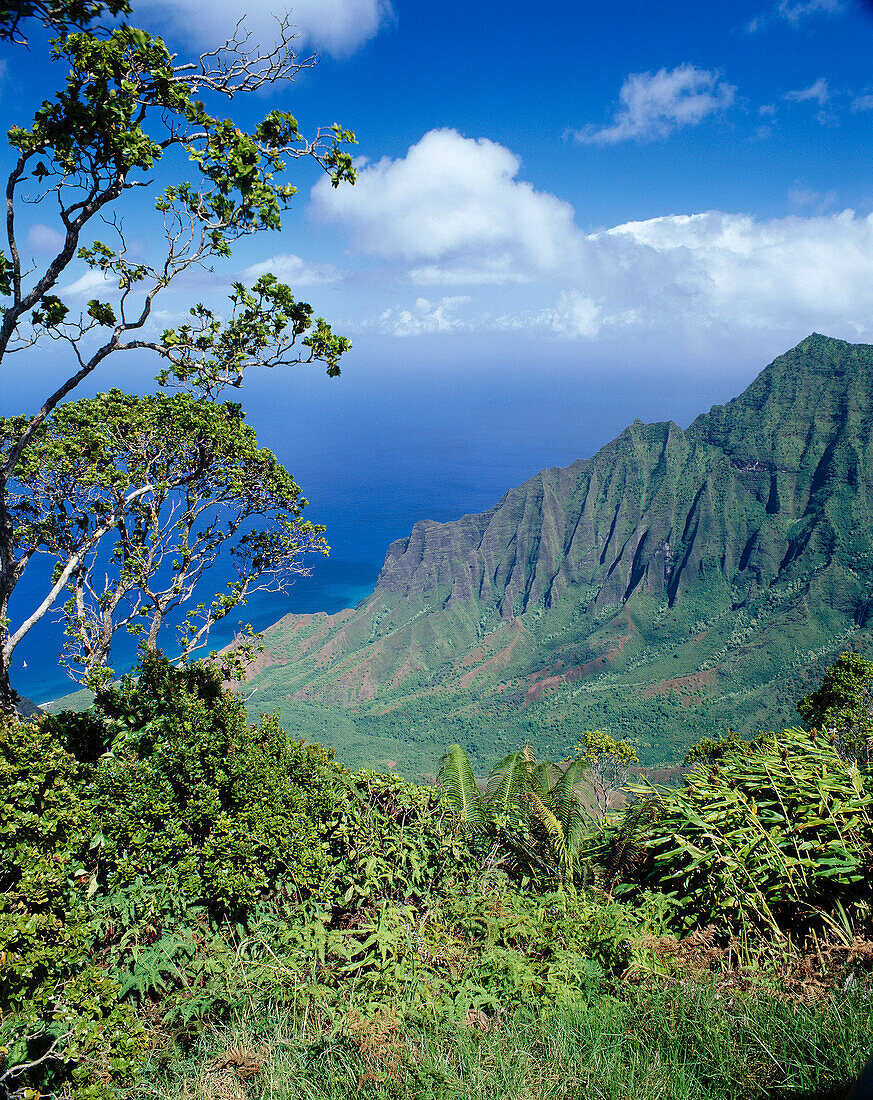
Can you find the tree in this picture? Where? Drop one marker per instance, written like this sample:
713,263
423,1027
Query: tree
126,108
608,762
133,498
842,706
708,750
58,15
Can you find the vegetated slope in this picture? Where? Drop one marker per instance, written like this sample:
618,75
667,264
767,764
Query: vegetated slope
676,582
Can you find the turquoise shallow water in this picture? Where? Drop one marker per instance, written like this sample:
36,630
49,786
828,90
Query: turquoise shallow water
335,585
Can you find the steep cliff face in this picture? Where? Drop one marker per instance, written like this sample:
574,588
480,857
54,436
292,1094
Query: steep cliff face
759,511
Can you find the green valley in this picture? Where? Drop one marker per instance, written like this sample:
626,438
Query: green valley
677,583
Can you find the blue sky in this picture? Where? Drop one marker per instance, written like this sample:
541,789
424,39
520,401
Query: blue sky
581,184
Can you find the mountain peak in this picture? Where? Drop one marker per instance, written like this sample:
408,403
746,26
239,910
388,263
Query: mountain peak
698,565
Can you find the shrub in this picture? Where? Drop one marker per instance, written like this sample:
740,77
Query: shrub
778,837
843,707
126,835
60,1011
393,840
194,797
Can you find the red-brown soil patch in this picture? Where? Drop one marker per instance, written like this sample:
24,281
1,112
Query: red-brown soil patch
498,660
578,672
681,684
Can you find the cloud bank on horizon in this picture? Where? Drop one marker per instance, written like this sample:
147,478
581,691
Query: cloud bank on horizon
453,213
338,27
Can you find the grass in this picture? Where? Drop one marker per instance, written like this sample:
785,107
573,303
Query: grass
698,1043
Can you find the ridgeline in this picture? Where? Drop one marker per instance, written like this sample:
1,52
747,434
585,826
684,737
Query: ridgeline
673,585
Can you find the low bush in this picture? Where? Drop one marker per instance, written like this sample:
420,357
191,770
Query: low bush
776,839
129,835
165,866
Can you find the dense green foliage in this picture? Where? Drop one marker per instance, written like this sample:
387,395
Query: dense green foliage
133,833
778,836
843,706
168,483
168,868
536,818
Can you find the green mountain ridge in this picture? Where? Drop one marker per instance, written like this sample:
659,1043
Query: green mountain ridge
675,583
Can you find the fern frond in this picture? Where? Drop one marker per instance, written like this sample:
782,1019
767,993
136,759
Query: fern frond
571,797
540,777
626,848
506,784
550,824
456,778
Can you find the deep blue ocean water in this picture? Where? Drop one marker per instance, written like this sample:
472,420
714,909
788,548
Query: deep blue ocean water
374,451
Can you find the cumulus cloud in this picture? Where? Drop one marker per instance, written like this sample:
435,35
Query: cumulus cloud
653,105
732,269
454,212
575,316
294,271
452,199
337,27
714,271
818,91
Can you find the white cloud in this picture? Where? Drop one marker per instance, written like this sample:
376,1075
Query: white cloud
454,211
294,271
795,10
653,105
575,316
862,103
818,202
89,282
452,199
818,91
684,274
337,27
425,318
45,240
729,269
496,270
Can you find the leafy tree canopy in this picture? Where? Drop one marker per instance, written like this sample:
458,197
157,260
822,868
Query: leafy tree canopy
129,108
133,498
843,706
